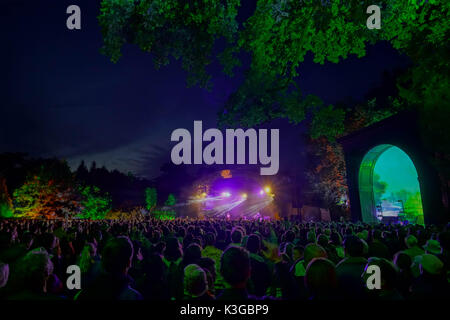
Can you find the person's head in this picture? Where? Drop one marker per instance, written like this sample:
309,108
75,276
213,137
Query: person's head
173,250
221,235
195,281
48,241
117,255
235,266
335,239
365,247
430,265
253,243
89,251
320,278
297,252
210,239
34,270
209,265
322,240
154,266
289,236
354,247
192,254
287,250
181,232
388,272
236,235
411,241
311,236
4,274
433,247
313,251
402,261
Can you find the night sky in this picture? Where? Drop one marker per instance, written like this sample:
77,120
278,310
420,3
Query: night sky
61,97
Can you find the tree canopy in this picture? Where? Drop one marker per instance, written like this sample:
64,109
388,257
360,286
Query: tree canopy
277,36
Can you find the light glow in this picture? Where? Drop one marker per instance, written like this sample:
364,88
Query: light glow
226,194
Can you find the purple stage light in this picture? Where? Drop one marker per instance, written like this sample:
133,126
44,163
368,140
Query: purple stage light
226,194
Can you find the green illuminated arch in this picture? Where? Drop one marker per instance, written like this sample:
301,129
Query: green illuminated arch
388,185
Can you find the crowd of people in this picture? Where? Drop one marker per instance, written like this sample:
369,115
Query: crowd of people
220,259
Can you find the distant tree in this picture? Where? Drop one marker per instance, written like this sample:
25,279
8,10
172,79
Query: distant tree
82,167
38,198
94,203
29,197
82,171
401,195
93,166
277,36
171,200
379,188
327,176
173,179
6,206
151,198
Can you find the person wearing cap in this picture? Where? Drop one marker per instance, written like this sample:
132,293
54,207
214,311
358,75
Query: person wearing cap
433,247
431,283
413,250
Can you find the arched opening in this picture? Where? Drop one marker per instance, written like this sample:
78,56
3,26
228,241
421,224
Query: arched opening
388,187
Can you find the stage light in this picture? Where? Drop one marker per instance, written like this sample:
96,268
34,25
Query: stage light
204,195
267,189
261,192
244,196
226,194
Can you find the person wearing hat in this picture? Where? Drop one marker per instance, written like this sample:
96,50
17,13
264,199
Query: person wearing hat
433,247
413,250
431,283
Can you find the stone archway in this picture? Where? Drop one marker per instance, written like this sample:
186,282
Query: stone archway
400,196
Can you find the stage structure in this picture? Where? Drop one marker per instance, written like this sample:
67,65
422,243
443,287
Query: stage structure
390,174
234,193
